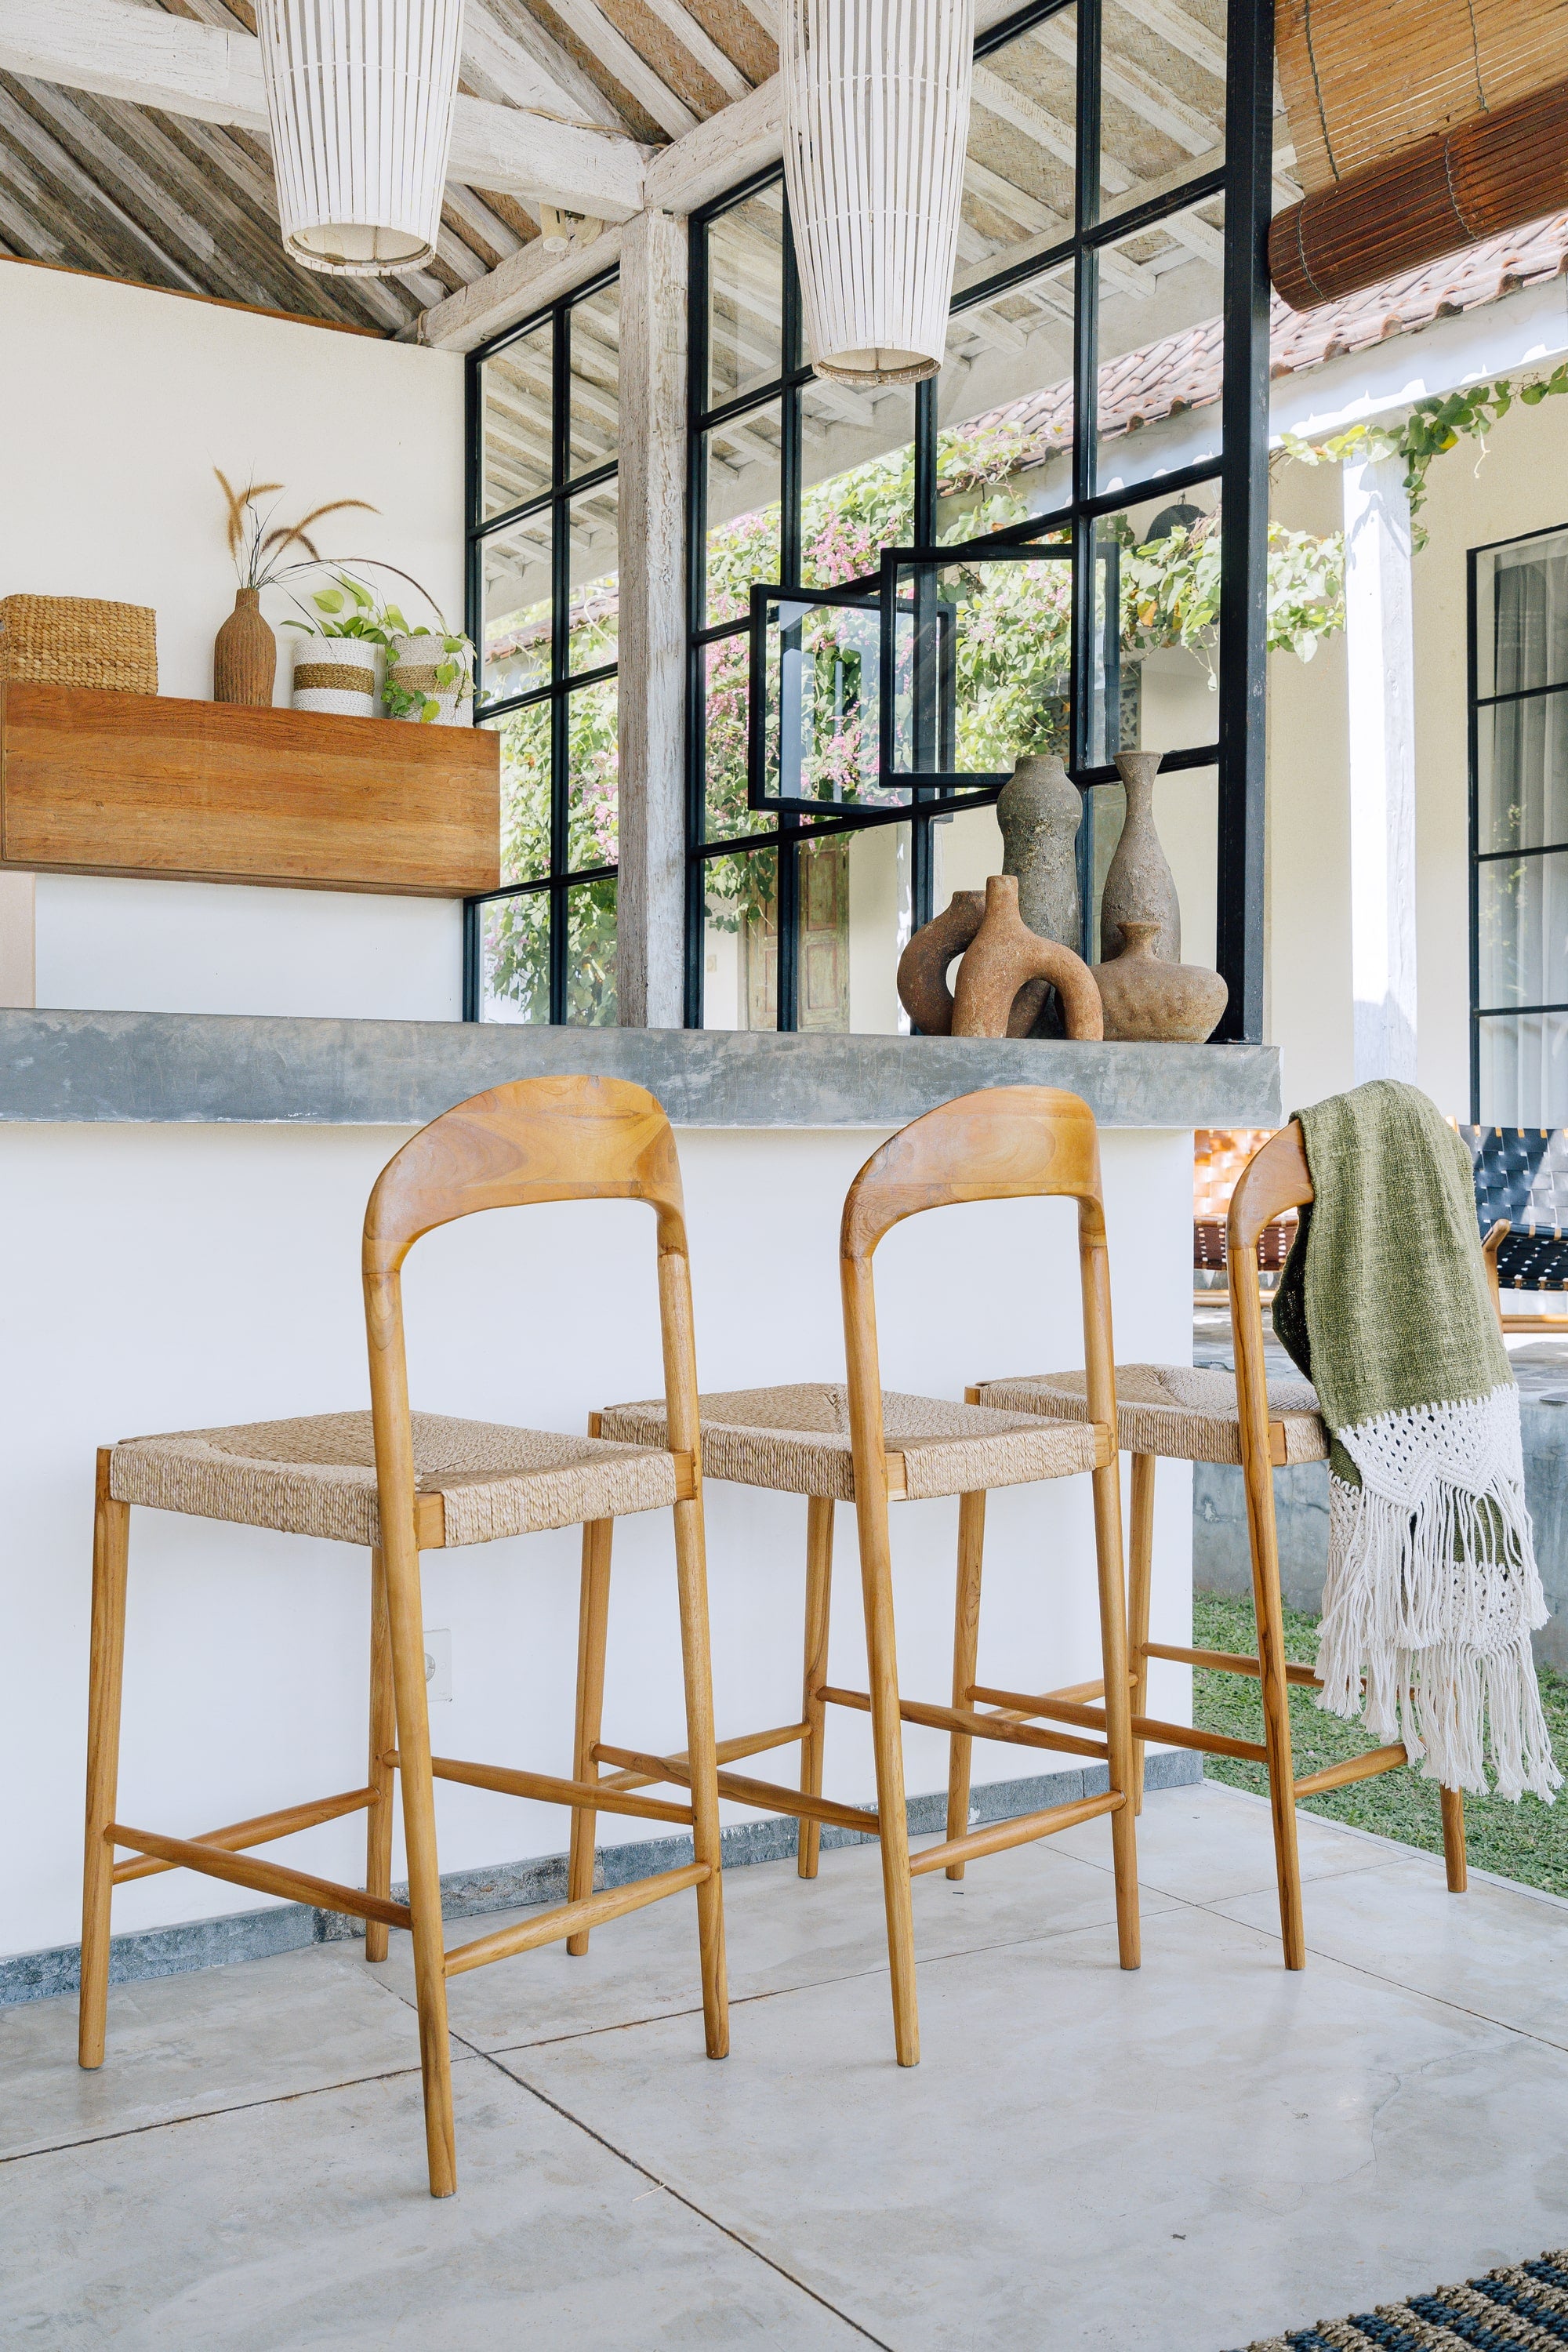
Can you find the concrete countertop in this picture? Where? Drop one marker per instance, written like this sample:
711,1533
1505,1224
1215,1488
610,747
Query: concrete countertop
218,1068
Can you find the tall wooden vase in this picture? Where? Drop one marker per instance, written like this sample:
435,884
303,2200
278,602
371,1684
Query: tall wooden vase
245,653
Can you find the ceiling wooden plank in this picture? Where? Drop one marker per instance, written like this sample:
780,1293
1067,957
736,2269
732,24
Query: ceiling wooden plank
592,27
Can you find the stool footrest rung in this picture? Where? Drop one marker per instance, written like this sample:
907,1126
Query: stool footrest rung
1022,1830
239,1835
551,1789
573,1918
1055,1709
269,1877
1355,1767
765,1794
729,1751
1226,1662
978,1726
1207,1743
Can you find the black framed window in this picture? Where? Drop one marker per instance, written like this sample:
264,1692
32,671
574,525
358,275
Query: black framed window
1519,830
543,560
1105,385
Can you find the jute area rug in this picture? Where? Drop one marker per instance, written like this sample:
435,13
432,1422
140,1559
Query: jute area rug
1525,2305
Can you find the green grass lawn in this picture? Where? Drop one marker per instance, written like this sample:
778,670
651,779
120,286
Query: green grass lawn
1528,1841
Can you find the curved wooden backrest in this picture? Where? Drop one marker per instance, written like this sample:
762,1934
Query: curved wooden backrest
570,1139
1004,1143
1275,1179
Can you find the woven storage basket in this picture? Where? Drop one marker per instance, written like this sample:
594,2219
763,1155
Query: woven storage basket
345,687
79,641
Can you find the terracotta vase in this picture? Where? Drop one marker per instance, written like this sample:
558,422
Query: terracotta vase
923,991
1039,811
245,653
1139,887
1148,999
1004,955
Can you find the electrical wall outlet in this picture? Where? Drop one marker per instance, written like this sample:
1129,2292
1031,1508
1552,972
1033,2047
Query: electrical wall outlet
437,1663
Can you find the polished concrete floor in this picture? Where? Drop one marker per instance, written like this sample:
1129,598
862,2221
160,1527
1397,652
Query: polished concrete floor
1179,2160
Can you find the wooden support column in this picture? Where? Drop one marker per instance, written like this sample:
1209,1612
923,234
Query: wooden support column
652,896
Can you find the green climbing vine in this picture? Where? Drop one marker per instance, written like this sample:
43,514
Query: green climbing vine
1432,428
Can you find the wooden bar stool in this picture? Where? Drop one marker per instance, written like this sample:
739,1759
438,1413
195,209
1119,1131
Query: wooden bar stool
1182,1414
401,1483
860,1443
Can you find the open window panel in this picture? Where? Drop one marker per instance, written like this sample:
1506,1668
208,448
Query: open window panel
816,701
976,663
1150,678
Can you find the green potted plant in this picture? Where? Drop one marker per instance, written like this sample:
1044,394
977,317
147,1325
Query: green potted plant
430,676
428,672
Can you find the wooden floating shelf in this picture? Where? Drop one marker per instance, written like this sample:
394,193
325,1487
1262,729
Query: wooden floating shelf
208,791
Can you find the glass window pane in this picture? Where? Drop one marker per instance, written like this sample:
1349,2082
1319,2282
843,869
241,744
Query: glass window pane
858,477
1018,175
1521,774
592,564
1005,408
724,721
982,666
1162,98
524,792
594,421
1521,609
591,777
516,399
1525,1071
514,958
849,962
740,959
821,725
743,539
1162,347
1521,920
517,594
745,296
1155,680
590,911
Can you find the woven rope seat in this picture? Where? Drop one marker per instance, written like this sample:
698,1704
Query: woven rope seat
797,1440
317,1476
1184,1412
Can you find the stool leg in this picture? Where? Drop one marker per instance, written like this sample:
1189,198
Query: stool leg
691,1573
887,1740
111,1538
965,1650
381,1775
814,1710
592,1623
1118,1704
1454,1840
406,1620
1141,1569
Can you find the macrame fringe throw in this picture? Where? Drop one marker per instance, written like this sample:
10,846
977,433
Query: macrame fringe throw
1433,1591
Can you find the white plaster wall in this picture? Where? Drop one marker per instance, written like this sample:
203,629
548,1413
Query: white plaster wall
116,403
168,1278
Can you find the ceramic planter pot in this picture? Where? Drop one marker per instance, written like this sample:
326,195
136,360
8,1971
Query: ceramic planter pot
1039,812
412,664
1150,1000
245,653
340,676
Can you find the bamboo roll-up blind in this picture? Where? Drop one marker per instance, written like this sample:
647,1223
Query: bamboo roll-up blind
1493,173
1363,79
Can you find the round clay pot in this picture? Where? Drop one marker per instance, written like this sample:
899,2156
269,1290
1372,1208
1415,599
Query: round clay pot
412,663
923,984
1005,954
245,653
1140,886
1148,1000
338,677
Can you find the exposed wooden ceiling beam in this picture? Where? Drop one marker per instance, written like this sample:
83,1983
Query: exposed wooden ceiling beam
628,67
1183,32
120,50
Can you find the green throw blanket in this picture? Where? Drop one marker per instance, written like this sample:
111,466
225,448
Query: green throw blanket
1432,1587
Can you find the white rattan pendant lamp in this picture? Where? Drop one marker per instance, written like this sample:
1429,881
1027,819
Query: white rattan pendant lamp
876,122
360,95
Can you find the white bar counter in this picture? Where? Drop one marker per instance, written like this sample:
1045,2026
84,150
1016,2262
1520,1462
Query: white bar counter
183,1197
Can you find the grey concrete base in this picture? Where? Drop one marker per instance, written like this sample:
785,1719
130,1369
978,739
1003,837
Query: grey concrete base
513,1885
215,1068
